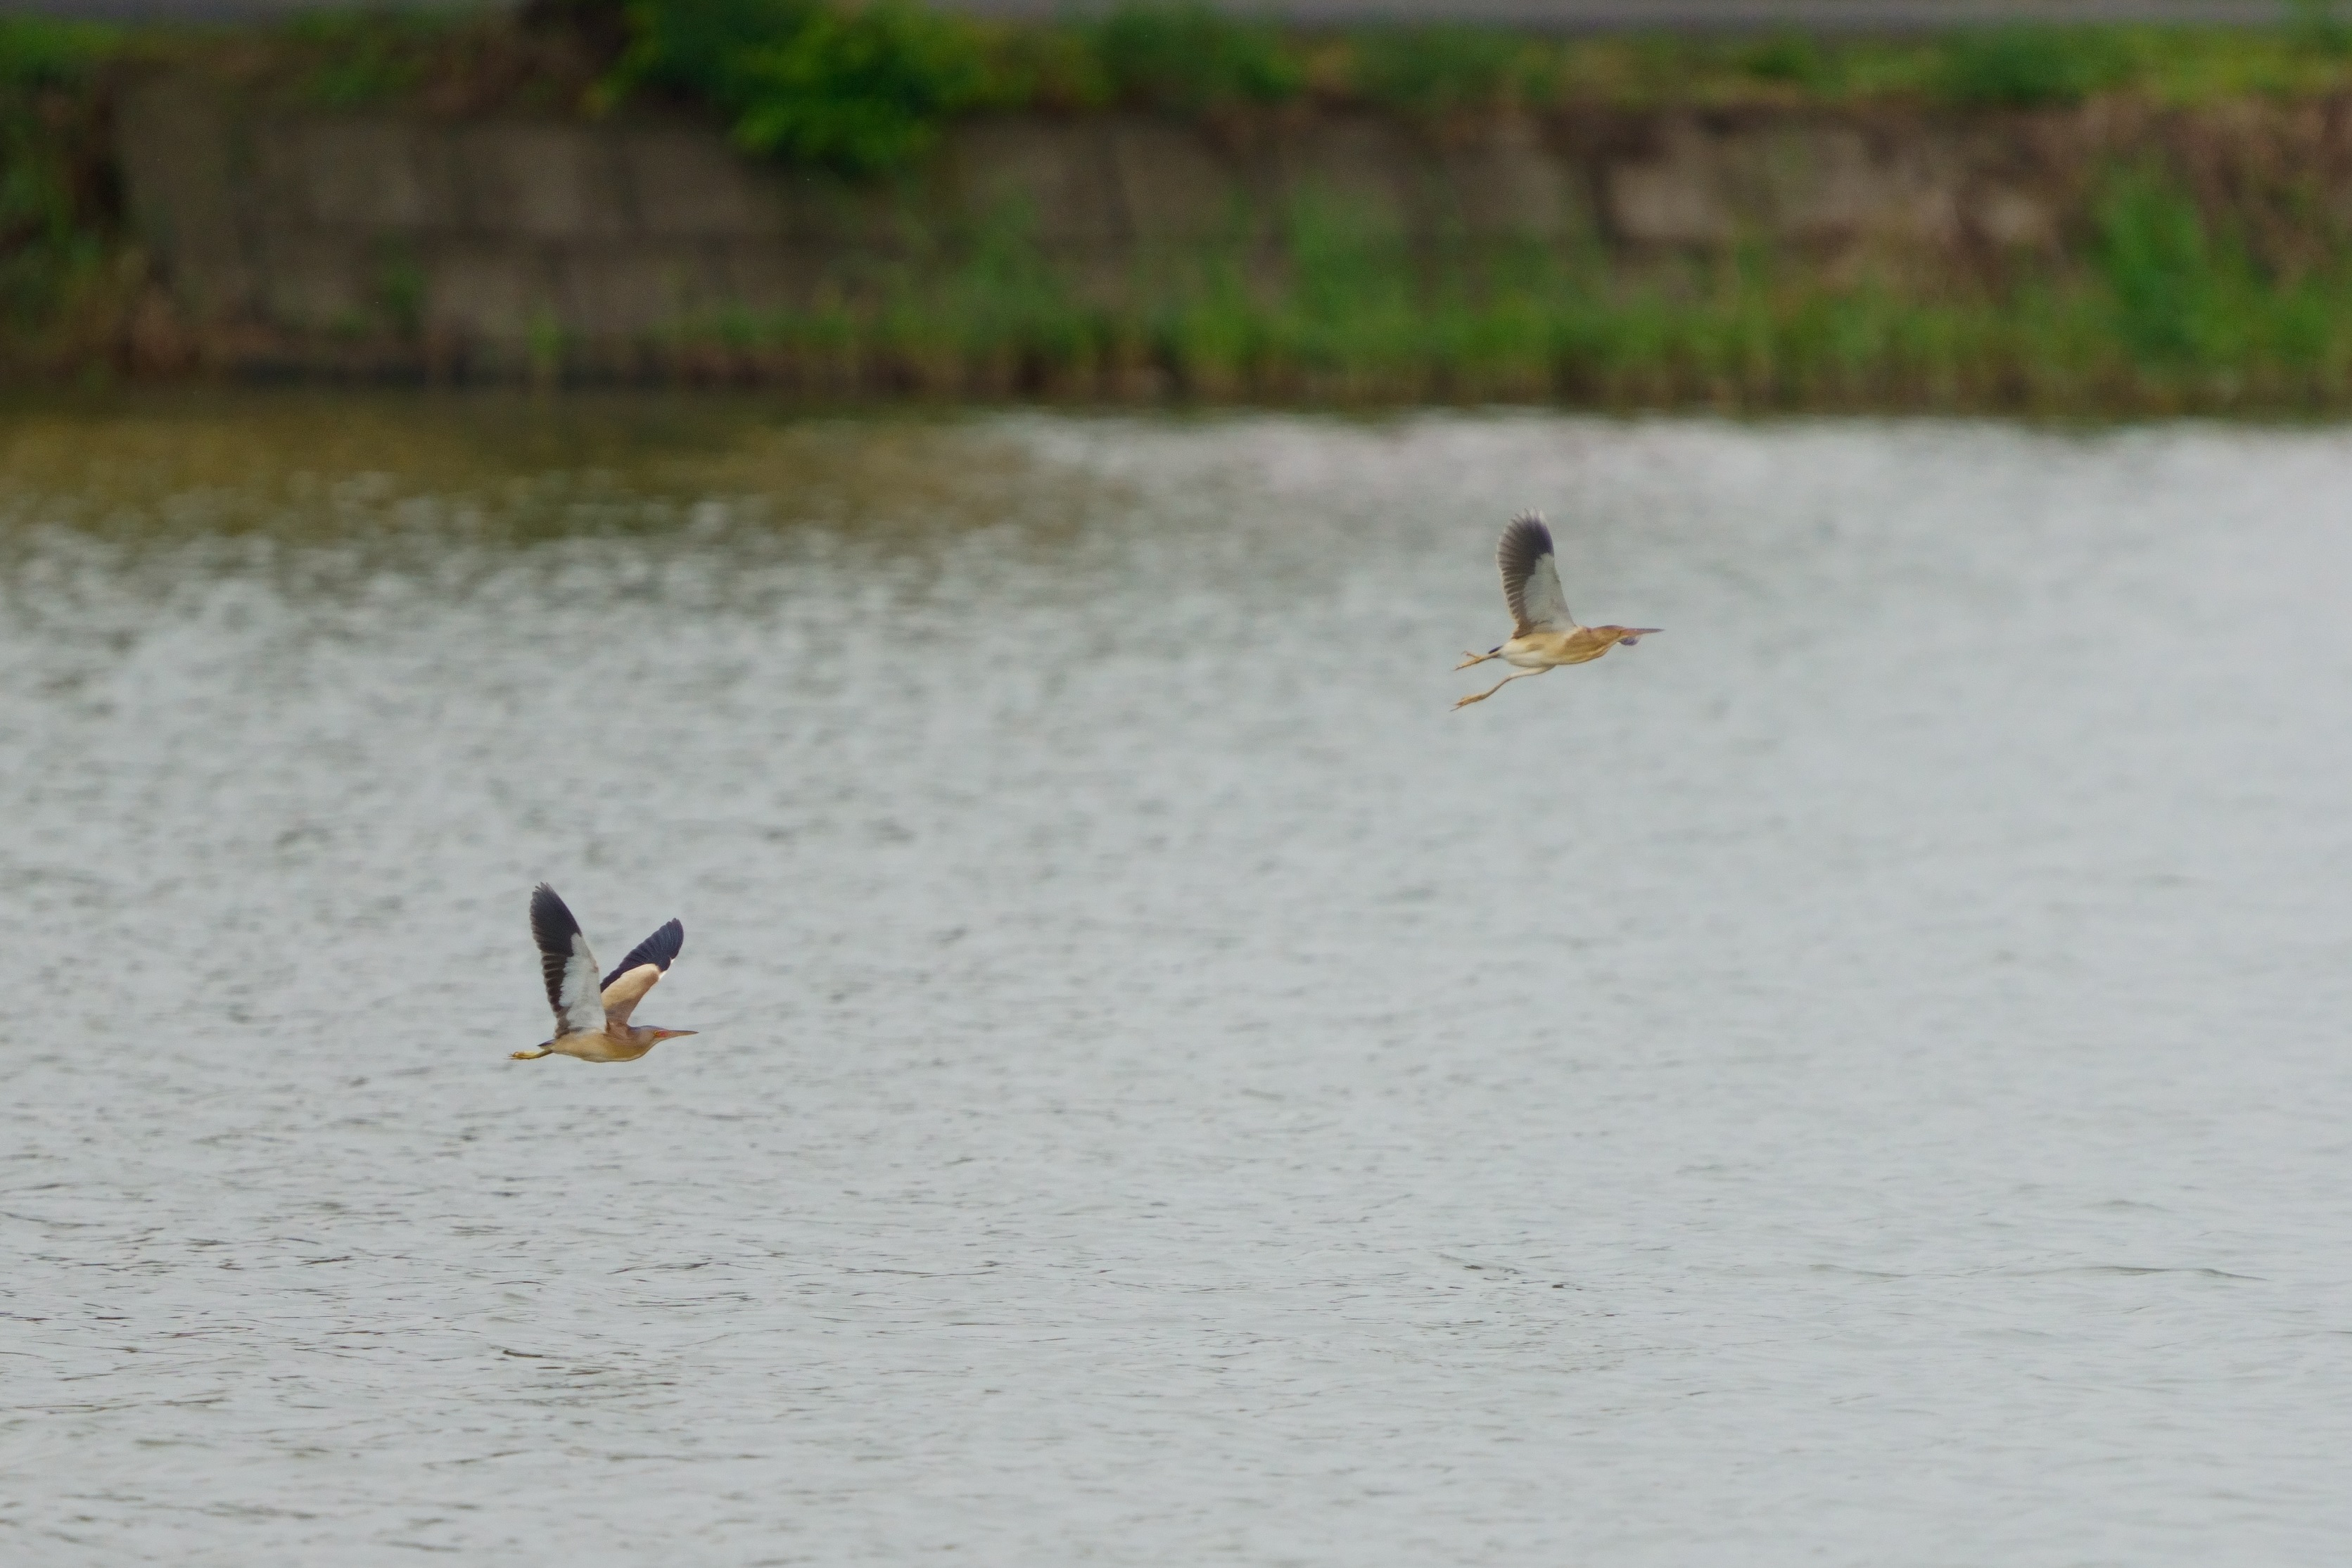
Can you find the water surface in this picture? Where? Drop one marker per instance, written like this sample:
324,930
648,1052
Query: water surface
1859,1079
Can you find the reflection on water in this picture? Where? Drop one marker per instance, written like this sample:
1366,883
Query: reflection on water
1861,1071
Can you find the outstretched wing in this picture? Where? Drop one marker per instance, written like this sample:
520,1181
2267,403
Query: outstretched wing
1531,577
636,975
565,962
658,949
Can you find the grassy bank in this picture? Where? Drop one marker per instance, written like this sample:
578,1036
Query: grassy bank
2173,287
2165,319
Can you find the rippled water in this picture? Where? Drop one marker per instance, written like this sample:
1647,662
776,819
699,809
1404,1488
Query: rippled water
1859,1079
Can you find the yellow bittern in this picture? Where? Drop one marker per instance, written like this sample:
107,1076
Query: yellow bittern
1544,635
591,1016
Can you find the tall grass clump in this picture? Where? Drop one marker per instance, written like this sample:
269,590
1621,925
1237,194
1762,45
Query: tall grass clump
2321,24
1190,57
863,88
1797,58
55,190
2189,306
2173,288
1447,69
359,58
2026,66
2161,315
859,89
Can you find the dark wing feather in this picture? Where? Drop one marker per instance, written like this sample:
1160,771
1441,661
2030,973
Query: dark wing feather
567,964
657,949
555,929
1531,577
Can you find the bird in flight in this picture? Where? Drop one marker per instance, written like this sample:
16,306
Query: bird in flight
591,1016
1544,635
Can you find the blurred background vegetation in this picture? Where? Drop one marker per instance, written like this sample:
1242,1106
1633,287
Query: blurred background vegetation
865,87
2162,306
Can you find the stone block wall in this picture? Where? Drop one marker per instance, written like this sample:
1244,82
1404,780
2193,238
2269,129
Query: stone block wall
379,239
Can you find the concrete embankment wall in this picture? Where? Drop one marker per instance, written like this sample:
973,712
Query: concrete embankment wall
375,242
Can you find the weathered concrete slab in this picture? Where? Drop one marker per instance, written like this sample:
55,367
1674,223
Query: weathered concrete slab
552,181
633,292
173,135
1503,181
1056,179
363,175
886,217
1674,197
1173,187
752,282
497,292
2012,219
1370,169
687,183
324,283
1794,182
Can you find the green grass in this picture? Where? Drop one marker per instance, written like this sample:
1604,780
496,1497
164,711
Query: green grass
1189,57
361,57
867,86
858,89
36,51
2160,315
54,238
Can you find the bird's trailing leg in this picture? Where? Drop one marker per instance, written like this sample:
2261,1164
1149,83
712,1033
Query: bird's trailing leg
1498,685
532,1055
1469,658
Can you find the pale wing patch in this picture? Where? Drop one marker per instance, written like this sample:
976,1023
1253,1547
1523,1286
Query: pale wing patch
580,1008
627,989
565,963
1547,605
1531,577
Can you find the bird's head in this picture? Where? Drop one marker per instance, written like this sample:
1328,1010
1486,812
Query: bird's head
1626,636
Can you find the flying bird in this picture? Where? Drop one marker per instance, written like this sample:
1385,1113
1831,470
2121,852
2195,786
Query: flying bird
591,1016
1544,635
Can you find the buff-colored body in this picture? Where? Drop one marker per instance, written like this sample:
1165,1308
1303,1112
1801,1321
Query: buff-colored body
1549,650
618,1040
623,1042
1533,652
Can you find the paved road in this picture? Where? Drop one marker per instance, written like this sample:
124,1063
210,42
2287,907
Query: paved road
1563,15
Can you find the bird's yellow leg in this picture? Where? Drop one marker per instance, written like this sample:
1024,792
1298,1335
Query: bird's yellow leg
1469,658
531,1055
1498,685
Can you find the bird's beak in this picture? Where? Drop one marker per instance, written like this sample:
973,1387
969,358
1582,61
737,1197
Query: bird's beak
674,1033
